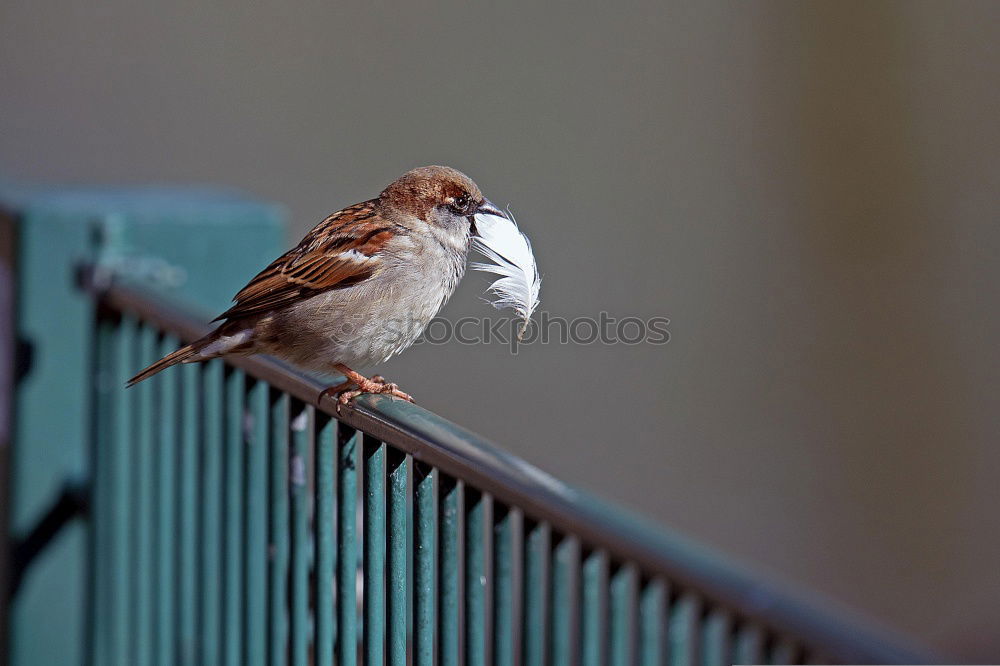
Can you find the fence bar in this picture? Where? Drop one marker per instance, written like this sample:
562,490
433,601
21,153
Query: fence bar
374,545
504,527
256,428
565,571
397,599
188,515
449,572
622,626
348,443
325,455
166,450
141,560
749,645
277,621
105,387
653,623
298,466
715,636
211,512
425,540
475,578
594,609
123,411
684,631
233,601
535,593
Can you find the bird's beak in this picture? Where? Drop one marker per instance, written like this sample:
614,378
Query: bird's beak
485,208
489,208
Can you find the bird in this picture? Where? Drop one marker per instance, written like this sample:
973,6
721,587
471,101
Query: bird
358,289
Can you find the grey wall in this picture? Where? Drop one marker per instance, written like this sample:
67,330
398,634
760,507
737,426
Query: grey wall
807,190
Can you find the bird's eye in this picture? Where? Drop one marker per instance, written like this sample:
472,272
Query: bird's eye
461,204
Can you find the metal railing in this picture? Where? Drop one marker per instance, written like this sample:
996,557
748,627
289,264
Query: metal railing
237,521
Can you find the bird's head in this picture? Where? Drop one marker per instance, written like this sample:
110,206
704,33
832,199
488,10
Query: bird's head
439,196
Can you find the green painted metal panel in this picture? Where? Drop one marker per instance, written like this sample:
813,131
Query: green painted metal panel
475,577
536,600
425,539
397,560
652,624
233,544
277,621
348,445
298,466
505,526
449,573
256,533
176,240
374,546
594,610
325,526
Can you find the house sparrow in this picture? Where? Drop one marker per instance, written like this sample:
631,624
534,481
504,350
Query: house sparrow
359,288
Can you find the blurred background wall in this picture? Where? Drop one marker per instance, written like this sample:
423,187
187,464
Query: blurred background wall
807,190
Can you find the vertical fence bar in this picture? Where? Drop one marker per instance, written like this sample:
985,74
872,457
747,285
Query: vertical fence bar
212,439
535,593
652,623
141,559
475,577
749,644
233,449
505,523
563,610
684,631
449,573
622,625
425,541
374,545
255,573
348,444
277,620
121,480
398,562
298,466
105,382
166,448
325,456
715,645
188,515
594,611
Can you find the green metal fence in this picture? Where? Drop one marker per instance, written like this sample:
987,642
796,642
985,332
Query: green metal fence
231,519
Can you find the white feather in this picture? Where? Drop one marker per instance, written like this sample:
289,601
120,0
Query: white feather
500,241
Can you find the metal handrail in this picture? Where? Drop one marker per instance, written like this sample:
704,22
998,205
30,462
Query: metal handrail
458,452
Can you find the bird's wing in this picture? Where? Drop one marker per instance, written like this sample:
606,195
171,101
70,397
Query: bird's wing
343,250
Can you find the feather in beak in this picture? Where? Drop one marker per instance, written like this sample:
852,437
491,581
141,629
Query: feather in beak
509,250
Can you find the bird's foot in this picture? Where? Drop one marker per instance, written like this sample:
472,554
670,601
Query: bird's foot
377,384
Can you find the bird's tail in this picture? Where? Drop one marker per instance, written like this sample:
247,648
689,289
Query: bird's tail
185,354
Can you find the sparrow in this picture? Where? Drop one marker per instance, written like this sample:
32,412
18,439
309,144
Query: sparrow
359,288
